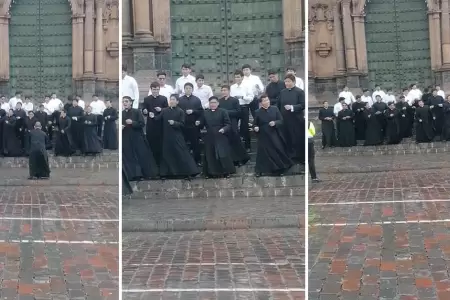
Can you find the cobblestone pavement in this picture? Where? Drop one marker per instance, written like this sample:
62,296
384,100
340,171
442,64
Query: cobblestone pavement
383,235
59,238
241,264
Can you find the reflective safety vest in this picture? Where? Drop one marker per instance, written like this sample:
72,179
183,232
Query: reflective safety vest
311,130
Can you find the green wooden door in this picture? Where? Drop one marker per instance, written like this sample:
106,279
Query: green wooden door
398,43
217,37
40,34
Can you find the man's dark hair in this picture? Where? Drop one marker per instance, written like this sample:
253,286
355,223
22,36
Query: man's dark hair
225,86
199,76
263,96
154,85
272,72
239,72
124,68
246,66
161,73
188,84
290,76
186,66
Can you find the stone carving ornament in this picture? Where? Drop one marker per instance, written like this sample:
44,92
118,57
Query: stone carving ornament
320,12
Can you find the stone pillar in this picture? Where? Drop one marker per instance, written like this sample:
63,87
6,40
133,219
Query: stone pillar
77,46
89,39
4,48
161,20
126,21
445,27
99,44
349,37
141,9
292,19
340,51
435,39
361,47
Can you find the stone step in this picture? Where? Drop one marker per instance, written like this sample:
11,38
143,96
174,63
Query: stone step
140,215
107,160
240,186
400,149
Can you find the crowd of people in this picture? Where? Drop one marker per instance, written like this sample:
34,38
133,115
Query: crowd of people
384,118
188,130
73,128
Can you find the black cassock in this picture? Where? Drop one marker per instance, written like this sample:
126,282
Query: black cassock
12,145
110,140
138,160
29,125
154,126
44,118
437,113
238,152
294,122
358,109
406,118
76,115
63,137
38,160
20,115
446,126
176,160
424,127
91,141
190,131
393,134
2,121
328,129
346,134
374,130
378,109
272,154
273,91
218,159
126,186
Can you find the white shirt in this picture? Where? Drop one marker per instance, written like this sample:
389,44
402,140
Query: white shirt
349,98
13,101
129,88
367,99
299,83
165,91
380,93
46,108
409,99
203,93
27,107
179,84
254,81
54,104
81,104
441,93
98,107
415,94
337,108
389,98
5,106
243,91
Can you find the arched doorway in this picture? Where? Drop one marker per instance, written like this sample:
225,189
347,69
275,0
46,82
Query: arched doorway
40,39
398,43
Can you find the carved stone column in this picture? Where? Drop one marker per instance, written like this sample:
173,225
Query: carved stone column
445,27
340,51
349,36
99,44
141,9
161,20
435,39
4,48
89,39
126,21
361,47
77,46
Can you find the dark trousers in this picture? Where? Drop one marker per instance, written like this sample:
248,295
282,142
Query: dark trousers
99,125
244,128
254,106
311,157
192,137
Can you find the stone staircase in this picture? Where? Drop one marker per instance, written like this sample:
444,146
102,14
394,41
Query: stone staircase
107,160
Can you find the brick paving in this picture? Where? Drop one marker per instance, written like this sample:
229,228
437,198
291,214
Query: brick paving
381,235
241,264
59,238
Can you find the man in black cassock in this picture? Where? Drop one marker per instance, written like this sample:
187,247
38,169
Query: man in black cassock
76,115
346,132
154,103
192,106
38,160
327,116
292,106
437,112
358,109
406,117
110,140
379,107
424,127
274,88
30,121
92,144
446,126
393,135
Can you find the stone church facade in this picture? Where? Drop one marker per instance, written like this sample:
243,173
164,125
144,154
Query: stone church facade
393,43
61,46
215,37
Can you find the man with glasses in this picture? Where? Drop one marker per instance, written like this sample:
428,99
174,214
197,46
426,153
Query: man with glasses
164,89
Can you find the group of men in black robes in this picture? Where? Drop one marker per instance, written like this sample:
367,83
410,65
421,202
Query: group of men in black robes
183,138
427,119
71,130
